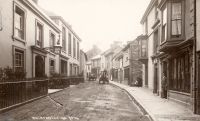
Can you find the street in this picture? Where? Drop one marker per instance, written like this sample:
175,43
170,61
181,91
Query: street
87,101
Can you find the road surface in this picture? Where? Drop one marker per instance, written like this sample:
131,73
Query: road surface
88,101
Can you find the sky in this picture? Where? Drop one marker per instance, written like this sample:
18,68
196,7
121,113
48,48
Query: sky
100,22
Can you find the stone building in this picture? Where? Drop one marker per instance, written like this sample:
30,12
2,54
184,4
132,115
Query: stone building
33,42
169,31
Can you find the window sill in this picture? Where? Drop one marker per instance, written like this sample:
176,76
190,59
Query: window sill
18,39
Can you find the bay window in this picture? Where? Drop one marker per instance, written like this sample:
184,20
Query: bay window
176,18
164,25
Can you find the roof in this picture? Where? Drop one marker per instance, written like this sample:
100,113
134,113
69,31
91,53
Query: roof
34,7
149,8
96,57
66,24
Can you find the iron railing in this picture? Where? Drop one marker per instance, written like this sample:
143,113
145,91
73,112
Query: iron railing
12,93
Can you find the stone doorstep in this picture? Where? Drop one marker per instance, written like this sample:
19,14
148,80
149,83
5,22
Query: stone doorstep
145,109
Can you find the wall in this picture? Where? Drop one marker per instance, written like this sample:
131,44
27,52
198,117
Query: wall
7,41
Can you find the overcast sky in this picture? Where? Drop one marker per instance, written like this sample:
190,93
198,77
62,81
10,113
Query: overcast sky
100,22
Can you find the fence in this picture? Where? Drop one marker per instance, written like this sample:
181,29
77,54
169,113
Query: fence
63,82
12,93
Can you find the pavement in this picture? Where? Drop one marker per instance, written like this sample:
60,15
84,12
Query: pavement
89,101
157,108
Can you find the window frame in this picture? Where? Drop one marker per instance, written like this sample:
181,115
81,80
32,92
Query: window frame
36,28
52,47
74,47
64,47
14,57
15,37
182,19
51,59
69,44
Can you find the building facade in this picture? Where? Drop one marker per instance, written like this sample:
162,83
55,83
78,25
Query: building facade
33,42
96,65
169,36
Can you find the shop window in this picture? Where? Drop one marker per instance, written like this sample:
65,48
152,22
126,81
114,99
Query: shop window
180,73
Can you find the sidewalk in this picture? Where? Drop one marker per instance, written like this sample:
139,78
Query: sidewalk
157,108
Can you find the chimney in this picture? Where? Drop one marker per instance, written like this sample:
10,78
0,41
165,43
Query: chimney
35,1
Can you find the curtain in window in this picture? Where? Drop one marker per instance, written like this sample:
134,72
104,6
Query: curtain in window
176,18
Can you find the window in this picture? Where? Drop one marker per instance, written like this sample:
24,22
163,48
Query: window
69,44
39,35
52,41
156,42
164,25
64,38
71,69
19,60
19,23
52,66
143,48
74,47
78,50
180,73
126,73
176,19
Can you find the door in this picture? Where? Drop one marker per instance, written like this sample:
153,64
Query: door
197,108
39,66
155,90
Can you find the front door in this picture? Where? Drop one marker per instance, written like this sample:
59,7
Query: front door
39,66
155,90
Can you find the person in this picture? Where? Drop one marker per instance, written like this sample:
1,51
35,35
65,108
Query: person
164,86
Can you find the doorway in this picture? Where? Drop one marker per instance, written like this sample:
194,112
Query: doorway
155,89
39,66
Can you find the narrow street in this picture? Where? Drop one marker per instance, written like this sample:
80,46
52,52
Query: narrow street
88,101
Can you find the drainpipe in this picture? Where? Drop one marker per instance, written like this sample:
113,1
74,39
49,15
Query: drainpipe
195,63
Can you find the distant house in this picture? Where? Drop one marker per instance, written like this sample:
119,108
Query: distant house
96,65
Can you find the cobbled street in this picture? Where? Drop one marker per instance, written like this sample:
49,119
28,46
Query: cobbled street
87,101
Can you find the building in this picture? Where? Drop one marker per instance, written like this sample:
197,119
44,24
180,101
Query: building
108,56
197,49
25,45
83,60
43,48
169,36
96,65
118,70
126,67
135,67
88,68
